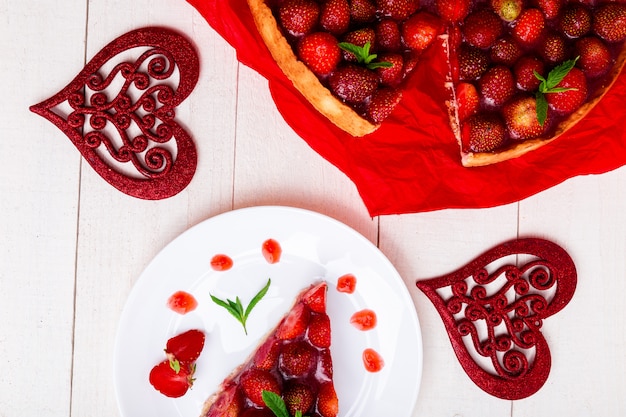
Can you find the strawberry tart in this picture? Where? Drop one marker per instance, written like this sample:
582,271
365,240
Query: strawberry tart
521,72
291,368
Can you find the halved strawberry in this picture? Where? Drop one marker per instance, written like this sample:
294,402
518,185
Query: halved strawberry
186,347
467,99
594,56
520,116
325,367
529,27
294,324
229,404
298,17
296,359
319,330
298,397
482,28
266,356
335,16
382,103
254,381
496,86
574,94
172,378
315,298
420,30
610,22
320,52
327,402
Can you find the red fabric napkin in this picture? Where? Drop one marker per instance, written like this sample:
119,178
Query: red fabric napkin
412,163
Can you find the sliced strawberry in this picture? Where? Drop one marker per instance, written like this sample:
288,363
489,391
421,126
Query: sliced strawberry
319,331
325,364
228,404
397,9
335,16
171,378
483,132
524,72
521,120
266,356
594,56
496,86
353,83
295,323
388,37
254,381
187,346
298,17
420,30
320,52
566,102
362,11
610,22
482,28
575,21
315,298
382,104
298,396
327,402
508,10
529,27
452,10
472,62
467,99
296,359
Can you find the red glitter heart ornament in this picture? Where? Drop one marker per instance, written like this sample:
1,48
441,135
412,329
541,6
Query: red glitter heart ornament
493,311
119,112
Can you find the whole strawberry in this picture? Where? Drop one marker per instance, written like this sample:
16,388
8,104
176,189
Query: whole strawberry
508,10
335,16
472,62
327,402
575,21
359,37
594,56
551,8
388,36
391,75
397,9
573,94
298,17
353,83
610,22
320,52
496,86
255,381
382,103
362,11
483,132
505,51
529,27
520,117
298,397
524,72
482,28
553,48
420,30
452,10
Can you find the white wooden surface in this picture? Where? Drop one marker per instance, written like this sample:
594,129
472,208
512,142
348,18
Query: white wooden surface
71,246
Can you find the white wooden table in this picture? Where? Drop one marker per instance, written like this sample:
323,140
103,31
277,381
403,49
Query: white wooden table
72,246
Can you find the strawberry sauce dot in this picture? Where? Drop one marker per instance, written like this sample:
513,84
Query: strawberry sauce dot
364,319
182,302
271,251
346,283
372,360
221,262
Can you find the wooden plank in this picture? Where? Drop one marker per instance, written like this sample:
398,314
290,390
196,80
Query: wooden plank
118,234
38,202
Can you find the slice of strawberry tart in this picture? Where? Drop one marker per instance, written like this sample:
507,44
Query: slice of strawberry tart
291,367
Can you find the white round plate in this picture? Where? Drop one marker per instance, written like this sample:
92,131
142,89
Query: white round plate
314,247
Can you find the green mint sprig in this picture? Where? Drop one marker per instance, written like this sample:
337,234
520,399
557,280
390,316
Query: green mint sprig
549,85
236,307
275,403
363,55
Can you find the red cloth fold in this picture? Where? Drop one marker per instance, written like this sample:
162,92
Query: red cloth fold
412,163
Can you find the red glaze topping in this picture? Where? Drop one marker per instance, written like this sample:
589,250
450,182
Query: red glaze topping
221,262
364,319
346,283
372,360
271,251
182,302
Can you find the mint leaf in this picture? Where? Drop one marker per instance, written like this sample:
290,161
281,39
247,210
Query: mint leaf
363,55
275,403
556,75
542,107
235,308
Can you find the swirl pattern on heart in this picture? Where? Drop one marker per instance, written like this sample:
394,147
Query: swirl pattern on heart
120,112
493,311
